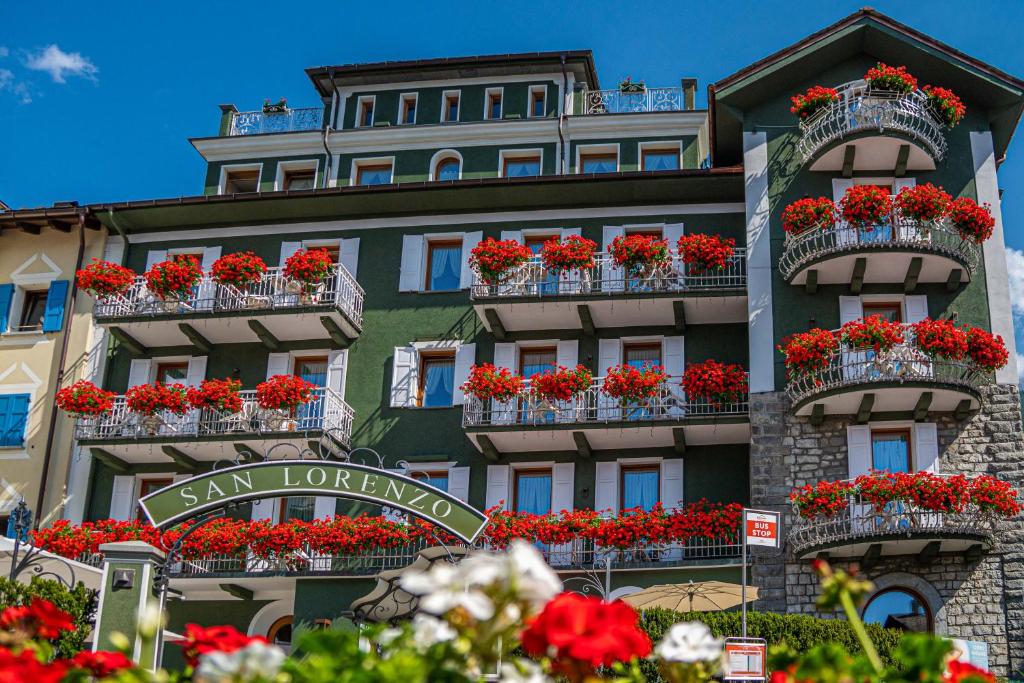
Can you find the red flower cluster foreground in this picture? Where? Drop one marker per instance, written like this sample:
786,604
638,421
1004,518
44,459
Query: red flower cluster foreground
492,258
582,633
924,202
865,206
217,394
571,253
816,98
174,278
487,382
715,382
628,384
561,383
241,269
971,220
283,392
890,79
39,619
103,279
705,253
949,108
874,332
200,640
940,339
149,399
308,267
924,490
101,663
85,399
25,667
635,251
808,353
808,214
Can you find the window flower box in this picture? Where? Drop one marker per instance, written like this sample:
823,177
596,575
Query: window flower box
866,206
174,280
241,270
705,253
573,253
925,203
305,271
279,107
640,253
717,383
487,382
221,395
973,221
808,353
885,78
632,386
814,100
560,384
947,106
493,260
103,279
873,332
805,215
83,399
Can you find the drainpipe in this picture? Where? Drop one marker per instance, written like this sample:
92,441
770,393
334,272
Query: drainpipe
328,122
69,311
562,115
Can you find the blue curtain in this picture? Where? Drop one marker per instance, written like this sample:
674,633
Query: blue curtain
522,169
299,507
550,283
533,494
661,162
446,268
890,455
448,170
375,176
599,166
310,415
438,384
436,482
640,489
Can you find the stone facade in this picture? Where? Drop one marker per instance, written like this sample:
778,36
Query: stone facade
980,600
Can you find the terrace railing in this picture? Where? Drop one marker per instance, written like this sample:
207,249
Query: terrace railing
289,121
619,102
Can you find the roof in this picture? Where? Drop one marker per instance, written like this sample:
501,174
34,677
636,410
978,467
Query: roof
579,62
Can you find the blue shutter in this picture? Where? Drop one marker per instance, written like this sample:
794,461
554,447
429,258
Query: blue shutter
53,320
6,296
13,416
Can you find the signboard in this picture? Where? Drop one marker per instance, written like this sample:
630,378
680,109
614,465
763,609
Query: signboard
761,527
745,659
213,490
971,651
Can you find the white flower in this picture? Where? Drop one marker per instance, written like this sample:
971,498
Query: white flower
475,602
254,662
536,582
689,642
522,671
428,630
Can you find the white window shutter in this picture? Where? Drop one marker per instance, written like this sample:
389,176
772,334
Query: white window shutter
196,371
210,254
207,290
902,183
606,489
277,364
264,509
350,255
672,496
850,309
672,232
113,250
858,450
410,278
403,377
516,235
674,354
567,232
155,256
337,367
609,354
503,412
498,486
612,279
469,241
465,357
505,356
567,353
324,507
844,233
287,249
839,188
458,483
563,487
140,372
916,308
926,436
122,498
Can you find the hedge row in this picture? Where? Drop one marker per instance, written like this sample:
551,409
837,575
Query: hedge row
79,602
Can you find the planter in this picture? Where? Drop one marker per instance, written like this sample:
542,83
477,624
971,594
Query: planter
170,306
309,299
151,424
279,421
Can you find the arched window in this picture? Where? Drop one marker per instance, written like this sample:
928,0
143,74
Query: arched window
447,169
900,608
280,633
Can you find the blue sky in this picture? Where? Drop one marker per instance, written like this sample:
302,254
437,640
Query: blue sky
97,100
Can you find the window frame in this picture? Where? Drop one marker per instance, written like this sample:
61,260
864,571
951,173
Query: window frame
867,306
280,623
441,157
141,490
285,168
405,98
928,611
431,245
168,364
542,90
907,431
638,467
490,95
507,155
28,297
372,164
582,156
518,472
423,358
428,473
446,98
228,169
364,104
634,345
660,148
282,507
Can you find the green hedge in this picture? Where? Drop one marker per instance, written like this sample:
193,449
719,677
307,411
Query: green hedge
798,631
79,602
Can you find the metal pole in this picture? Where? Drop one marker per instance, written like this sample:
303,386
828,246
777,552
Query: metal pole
743,586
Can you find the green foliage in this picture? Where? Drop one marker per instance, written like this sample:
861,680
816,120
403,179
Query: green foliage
79,602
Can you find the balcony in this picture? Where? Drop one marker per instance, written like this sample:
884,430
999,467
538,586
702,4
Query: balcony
901,380
204,436
271,311
619,102
595,421
534,298
898,251
901,528
290,121
877,125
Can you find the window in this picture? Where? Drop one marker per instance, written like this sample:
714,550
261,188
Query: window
537,95
521,167
148,486
437,479
890,310
450,110
172,372
280,633
437,380
493,104
296,507
237,182
533,361
659,159
640,355
532,492
13,417
408,109
373,174
640,486
444,265
899,608
299,179
365,112
890,450
333,249
447,169
33,310
599,163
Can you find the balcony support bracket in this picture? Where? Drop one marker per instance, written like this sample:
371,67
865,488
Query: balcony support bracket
929,552
487,448
582,445
586,320
494,320
236,591
913,272
921,409
679,440
198,340
180,458
269,341
849,154
128,342
811,285
902,157
679,312
857,277
864,410
962,409
871,556
956,276
110,460
818,414
335,333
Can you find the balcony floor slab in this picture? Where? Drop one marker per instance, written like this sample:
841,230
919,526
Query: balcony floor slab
889,398
884,265
612,436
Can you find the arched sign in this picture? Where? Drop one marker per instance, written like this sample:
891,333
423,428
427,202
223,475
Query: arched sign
214,490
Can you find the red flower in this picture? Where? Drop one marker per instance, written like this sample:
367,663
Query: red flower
946,104
174,278
581,634
816,98
572,253
631,385
940,339
241,269
492,258
986,350
865,206
560,383
890,79
200,640
217,394
972,221
308,267
706,252
636,251
926,203
85,399
808,214
25,668
965,672
824,499
873,332
715,382
487,382
807,353
101,663
103,279
149,399
282,392
40,617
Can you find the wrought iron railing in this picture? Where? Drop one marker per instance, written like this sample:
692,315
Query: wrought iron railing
326,412
594,407
897,232
622,102
861,109
534,279
288,121
273,292
861,521
577,554
905,362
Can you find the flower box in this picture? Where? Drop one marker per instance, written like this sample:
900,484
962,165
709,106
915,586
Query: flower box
940,339
494,259
221,395
986,350
633,386
284,392
925,203
639,252
103,279
487,382
814,100
570,253
279,107
805,215
628,86
885,78
242,270
175,279
947,106
973,221
866,206
808,353
824,499
148,400
705,253
873,332
717,383
561,383
83,399
306,270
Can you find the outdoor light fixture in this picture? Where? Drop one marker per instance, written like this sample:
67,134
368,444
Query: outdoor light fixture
123,579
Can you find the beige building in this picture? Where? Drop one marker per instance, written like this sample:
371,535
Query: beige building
47,340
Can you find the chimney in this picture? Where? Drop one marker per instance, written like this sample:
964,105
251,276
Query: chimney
689,93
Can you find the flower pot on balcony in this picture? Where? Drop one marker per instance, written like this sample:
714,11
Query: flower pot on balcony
309,298
151,424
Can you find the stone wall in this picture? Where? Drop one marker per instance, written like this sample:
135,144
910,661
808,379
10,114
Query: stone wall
982,600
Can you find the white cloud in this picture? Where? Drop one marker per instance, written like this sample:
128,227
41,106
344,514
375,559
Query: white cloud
1020,368
59,64
1015,268
19,88
4,51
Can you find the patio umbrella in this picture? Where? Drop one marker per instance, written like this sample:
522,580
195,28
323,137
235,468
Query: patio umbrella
705,596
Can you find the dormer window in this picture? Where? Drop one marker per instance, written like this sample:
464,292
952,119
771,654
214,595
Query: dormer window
493,104
240,181
450,112
366,112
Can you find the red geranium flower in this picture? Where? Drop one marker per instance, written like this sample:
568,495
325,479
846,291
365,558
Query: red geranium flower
890,79
808,214
149,399
24,667
103,279
808,353
561,383
241,269
717,383
636,251
308,267
926,203
492,258
815,99
866,206
631,385
200,640
174,278
85,399
40,617
217,394
948,107
986,349
822,499
487,382
282,392
874,332
971,220
572,253
965,672
101,663
940,339
704,253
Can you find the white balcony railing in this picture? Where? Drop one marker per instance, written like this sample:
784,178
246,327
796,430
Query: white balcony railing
855,367
274,292
594,407
326,412
533,279
256,122
619,102
895,233
862,109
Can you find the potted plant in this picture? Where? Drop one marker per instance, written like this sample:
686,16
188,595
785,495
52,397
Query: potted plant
279,107
640,255
824,499
874,332
629,86
814,100
923,203
241,270
633,386
947,106
885,78
493,260
560,384
866,206
807,214
986,350
574,252
808,353
218,395
103,279
972,221
705,253
717,383
489,383
279,396
940,339
148,400
994,497
174,280
85,401
305,271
